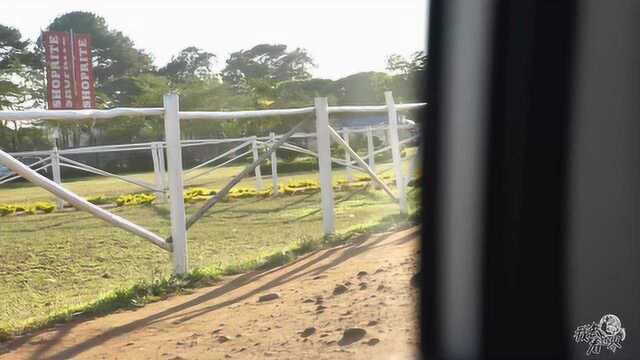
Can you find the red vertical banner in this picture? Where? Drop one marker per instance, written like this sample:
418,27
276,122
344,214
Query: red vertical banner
59,72
85,97
70,82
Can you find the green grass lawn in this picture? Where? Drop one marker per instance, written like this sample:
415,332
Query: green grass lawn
51,262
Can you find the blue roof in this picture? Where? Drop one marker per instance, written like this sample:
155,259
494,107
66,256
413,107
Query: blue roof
362,120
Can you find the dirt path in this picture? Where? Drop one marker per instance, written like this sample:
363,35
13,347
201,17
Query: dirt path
306,320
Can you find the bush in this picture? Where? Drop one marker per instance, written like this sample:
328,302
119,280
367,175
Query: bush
301,187
45,207
299,165
288,155
7,210
98,200
135,199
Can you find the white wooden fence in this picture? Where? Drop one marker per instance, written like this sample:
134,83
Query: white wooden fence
169,183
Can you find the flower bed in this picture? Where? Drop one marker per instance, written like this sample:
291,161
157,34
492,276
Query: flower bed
201,194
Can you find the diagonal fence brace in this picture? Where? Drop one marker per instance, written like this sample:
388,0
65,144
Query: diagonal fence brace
222,193
361,162
78,202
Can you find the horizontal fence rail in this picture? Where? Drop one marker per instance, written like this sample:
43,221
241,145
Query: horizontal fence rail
71,115
170,179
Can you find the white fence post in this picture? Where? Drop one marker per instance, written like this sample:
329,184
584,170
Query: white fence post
176,199
274,167
158,172
163,167
254,150
347,155
372,160
324,164
395,151
55,172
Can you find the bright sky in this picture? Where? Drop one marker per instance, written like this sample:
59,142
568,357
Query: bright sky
343,36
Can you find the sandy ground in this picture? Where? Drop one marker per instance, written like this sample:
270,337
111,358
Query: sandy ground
319,299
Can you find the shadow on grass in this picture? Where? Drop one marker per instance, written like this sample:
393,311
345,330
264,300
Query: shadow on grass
286,206
337,201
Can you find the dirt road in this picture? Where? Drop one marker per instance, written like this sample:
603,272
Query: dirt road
350,302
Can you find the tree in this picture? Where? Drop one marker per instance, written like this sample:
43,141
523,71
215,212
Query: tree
114,54
260,68
17,62
365,88
20,81
190,64
410,75
399,64
302,92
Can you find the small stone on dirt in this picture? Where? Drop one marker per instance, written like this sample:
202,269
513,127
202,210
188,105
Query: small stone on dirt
339,289
222,339
268,297
379,271
362,273
351,335
320,307
308,332
307,301
372,323
363,286
319,277
373,341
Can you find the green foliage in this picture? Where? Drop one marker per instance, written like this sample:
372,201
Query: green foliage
98,200
364,88
17,62
264,76
409,75
417,62
190,64
114,54
302,92
260,68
